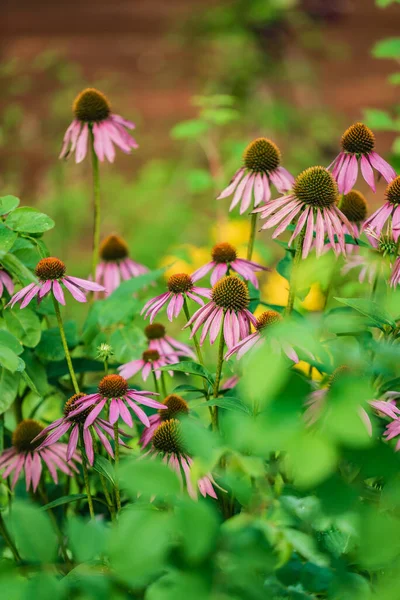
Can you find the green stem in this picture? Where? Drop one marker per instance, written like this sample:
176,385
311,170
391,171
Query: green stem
253,227
108,498
96,206
106,366
116,442
163,384
86,473
65,346
60,535
218,373
293,277
198,350
156,386
8,540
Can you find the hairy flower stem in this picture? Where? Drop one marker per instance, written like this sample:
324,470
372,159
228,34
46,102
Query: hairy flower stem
86,472
6,536
198,350
65,346
252,238
294,274
96,206
220,361
116,487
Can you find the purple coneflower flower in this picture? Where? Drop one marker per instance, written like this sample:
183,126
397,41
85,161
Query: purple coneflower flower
230,382
174,406
167,442
395,276
313,204
224,259
390,211
358,143
115,265
51,274
261,168
26,455
93,116
151,361
6,282
179,286
73,423
228,309
165,344
113,389
264,321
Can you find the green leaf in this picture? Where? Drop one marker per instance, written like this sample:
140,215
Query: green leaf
57,369
8,340
105,468
394,78
198,528
388,48
63,500
9,383
306,546
7,239
29,220
386,3
370,309
25,325
9,360
229,403
148,477
191,129
88,539
17,268
128,343
187,366
379,119
8,204
284,266
50,346
33,533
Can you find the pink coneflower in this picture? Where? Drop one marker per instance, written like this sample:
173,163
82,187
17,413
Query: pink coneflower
115,265
224,259
358,143
174,406
354,206
389,212
261,169
167,442
179,287
230,382
6,283
373,262
93,116
113,389
395,276
151,361
227,309
51,274
72,423
164,344
26,455
265,321
312,204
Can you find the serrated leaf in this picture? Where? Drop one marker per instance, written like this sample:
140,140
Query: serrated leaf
63,500
370,309
29,220
190,367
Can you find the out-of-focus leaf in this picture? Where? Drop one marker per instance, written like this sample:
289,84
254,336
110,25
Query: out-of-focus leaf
190,367
33,533
379,119
306,546
370,309
388,48
29,220
228,403
8,204
88,539
63,500
148,477
128,343
189,129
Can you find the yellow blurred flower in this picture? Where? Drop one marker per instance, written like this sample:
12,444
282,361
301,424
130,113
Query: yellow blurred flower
275,290
194,258
304,367
236,232
315,299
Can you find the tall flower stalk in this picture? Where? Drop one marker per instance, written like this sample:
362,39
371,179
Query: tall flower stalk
96,205
294,273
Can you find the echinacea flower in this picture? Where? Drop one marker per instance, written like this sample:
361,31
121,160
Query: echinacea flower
165,344
174,406
93,117
6,283
261,169
167,443
51,274
115,265
395,276
388,213
228,309
230,382
375,261
179,286
224,259
263,323
358,143
26,455
113,390
312,203
151,361
73,424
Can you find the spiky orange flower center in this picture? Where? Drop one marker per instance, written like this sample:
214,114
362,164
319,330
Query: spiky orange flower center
180,283
25,432
50,268
354,206
262,156
154,331
175,406
71,405
392,192
269,317
358,139
113,386
150,355
167,437
113,248
316,187
223,253
91,106
231,293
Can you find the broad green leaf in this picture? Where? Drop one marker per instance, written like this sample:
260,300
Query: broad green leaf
394,78
63,500
105,468
17,268
57,369
306,546
388,48
25,325
33,533
197,527
9,360
284,266
379,120
192,129
8,340
9,383
128,343
8,204
88,539
311,458
29,220
386,3
370,309
50,346
187,366
228,403
148,477
7,239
